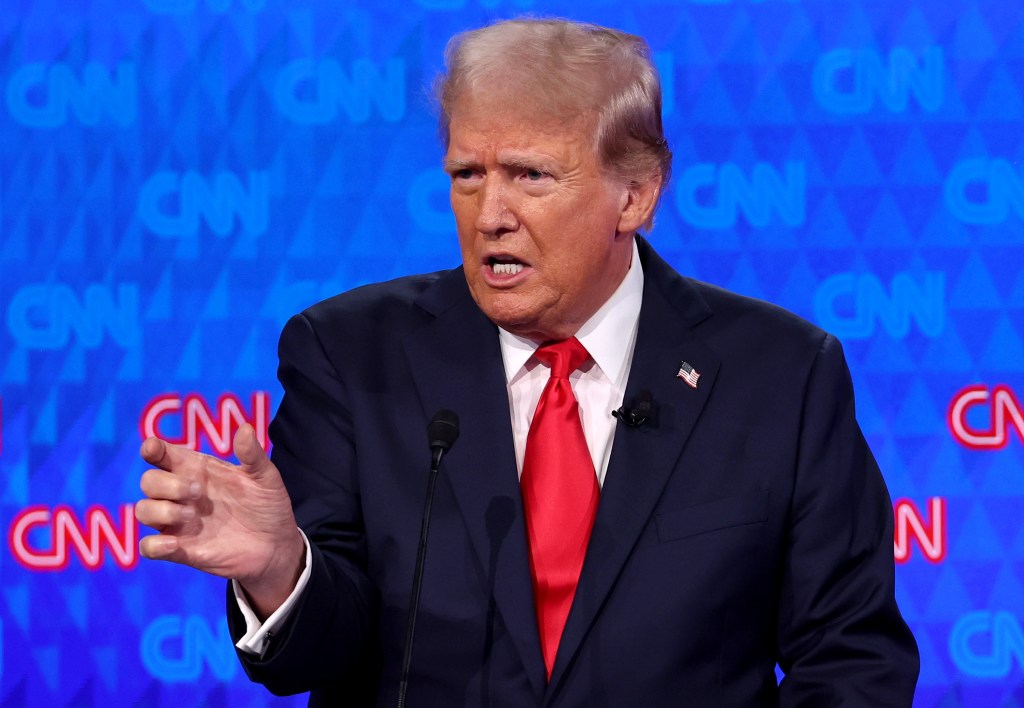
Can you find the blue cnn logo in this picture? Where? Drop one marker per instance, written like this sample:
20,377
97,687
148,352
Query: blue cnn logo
174,649
313,92
984,191
712,197
428,202
40,95
43,316
848,81
173,204
987,644
851,305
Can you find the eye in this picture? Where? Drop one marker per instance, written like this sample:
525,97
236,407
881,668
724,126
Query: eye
464,173
534,175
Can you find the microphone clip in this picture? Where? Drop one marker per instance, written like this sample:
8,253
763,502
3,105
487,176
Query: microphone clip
637,415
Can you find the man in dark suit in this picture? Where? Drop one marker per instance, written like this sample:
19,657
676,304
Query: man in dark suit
669,558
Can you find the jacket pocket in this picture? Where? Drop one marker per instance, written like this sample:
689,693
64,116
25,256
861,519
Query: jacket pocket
739,510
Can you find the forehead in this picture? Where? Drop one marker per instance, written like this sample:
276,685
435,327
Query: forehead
489,124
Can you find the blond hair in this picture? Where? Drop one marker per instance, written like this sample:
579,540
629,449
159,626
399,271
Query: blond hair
568,69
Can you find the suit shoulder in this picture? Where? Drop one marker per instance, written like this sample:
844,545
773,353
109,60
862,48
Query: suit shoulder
389,303
357,327
735,322
758,322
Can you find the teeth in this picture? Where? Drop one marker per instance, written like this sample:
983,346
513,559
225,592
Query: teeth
507,268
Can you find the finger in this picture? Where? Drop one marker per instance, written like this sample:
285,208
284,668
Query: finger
249,451
159,547
160,484
162,454
162,514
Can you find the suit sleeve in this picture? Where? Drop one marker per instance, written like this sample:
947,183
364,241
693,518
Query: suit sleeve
329,638
842,641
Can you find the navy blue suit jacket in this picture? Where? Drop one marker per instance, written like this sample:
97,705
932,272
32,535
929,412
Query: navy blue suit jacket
749,525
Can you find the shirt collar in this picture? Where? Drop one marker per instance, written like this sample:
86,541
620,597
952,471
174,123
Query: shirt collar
607,335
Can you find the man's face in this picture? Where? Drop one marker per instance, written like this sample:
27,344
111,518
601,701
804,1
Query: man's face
546,235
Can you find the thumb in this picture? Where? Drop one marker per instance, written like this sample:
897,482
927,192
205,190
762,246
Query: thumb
249,451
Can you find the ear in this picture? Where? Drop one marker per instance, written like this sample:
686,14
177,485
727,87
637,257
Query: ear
638,204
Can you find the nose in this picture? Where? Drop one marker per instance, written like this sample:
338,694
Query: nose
494,215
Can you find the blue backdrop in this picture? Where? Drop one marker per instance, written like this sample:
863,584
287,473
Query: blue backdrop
177,177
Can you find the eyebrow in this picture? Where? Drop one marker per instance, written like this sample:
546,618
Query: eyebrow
521,162
451,165
454,165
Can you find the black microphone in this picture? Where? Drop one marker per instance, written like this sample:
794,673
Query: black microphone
640,414
442,432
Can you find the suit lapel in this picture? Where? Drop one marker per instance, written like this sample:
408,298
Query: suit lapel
643,458
457,364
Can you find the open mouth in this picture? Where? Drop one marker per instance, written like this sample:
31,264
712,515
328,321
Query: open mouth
505,265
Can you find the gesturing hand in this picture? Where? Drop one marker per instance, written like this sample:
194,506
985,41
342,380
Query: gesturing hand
234,521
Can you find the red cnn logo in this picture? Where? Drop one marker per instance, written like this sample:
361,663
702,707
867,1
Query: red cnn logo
87,540
930,535
1003,411
196,418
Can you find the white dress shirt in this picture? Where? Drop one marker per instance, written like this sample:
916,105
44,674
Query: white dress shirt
599,384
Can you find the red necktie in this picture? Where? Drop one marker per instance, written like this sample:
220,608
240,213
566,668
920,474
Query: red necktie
560,494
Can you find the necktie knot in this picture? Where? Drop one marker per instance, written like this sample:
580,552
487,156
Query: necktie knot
563,357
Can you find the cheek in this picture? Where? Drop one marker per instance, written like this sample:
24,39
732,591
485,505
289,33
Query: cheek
466,232
463,207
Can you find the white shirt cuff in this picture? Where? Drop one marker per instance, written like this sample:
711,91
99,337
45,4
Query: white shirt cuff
257,635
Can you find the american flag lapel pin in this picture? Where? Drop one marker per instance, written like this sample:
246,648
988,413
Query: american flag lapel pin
688,374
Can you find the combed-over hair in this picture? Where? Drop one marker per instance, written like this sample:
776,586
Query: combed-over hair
568,69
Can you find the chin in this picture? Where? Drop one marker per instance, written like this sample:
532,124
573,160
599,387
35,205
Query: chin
514,322
531,328
504,309
518,323
521,316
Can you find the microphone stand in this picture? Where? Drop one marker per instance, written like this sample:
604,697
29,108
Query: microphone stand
442,431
